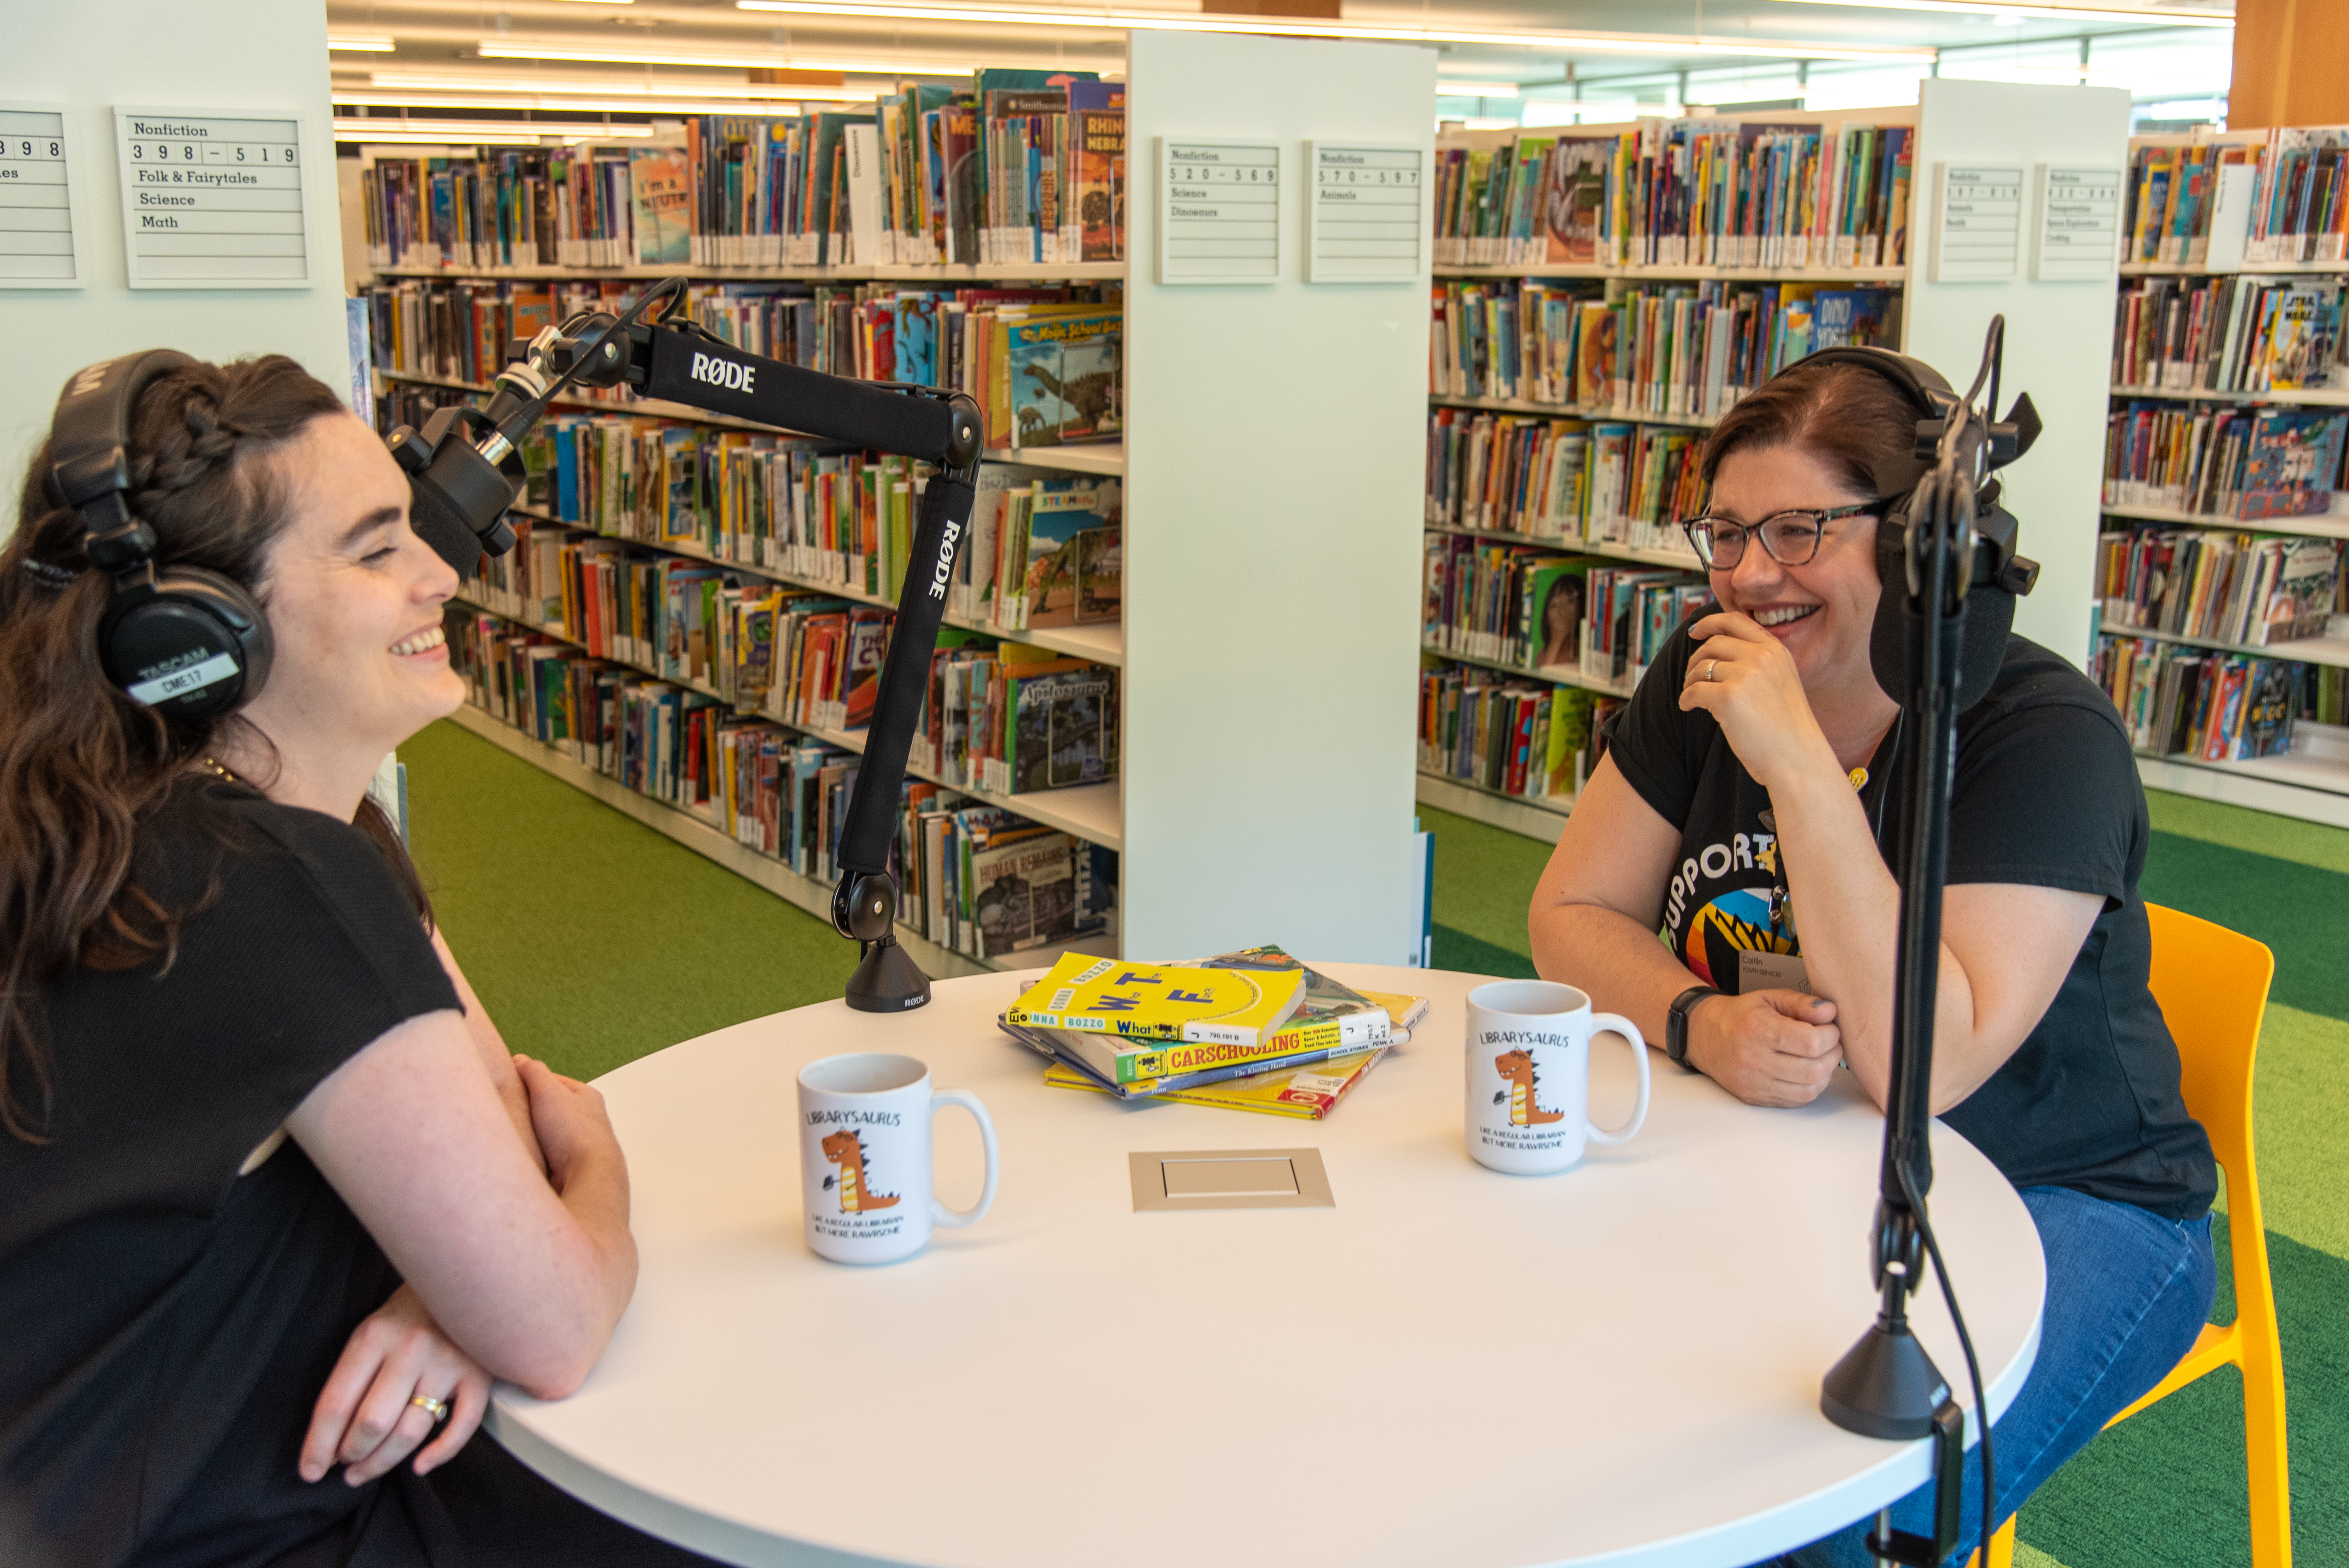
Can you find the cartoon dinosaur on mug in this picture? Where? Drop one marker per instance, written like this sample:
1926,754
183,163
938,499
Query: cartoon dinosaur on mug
1525,1105
846,1149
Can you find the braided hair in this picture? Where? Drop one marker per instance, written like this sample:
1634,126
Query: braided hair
83,768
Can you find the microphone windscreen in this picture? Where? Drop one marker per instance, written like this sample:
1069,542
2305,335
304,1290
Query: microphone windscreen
1892,642
439,523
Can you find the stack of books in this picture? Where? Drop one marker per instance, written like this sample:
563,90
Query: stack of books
1253,1031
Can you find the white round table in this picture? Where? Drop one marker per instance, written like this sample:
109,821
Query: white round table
1616,1364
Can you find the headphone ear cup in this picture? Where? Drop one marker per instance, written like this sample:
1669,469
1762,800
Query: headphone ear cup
194,646
1892,637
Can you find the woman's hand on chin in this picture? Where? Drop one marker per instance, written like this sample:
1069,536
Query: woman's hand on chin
1747,680
367,1419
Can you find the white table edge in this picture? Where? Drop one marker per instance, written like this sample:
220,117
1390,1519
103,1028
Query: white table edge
1752,1539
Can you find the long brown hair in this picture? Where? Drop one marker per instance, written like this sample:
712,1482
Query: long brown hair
83,768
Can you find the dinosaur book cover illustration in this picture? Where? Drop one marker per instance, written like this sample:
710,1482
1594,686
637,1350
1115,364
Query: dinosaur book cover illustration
1223,1014
1072,575
1066,377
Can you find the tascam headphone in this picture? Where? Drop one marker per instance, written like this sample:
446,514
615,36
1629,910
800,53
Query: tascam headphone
2002,575
187,642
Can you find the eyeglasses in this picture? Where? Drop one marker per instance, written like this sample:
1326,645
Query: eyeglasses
1790,538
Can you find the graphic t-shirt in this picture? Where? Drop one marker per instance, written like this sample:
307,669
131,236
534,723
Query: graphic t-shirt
2047,795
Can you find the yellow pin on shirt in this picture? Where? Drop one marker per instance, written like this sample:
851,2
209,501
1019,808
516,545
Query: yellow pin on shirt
1859,777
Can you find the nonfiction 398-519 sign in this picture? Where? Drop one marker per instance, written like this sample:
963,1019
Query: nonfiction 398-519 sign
212,198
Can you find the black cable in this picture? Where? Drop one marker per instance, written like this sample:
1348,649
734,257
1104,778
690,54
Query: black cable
1973,1368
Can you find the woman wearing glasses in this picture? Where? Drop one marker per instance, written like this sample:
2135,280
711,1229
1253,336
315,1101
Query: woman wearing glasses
1739,814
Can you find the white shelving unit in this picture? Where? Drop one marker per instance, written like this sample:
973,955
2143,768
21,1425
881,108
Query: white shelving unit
2057,348
1235,547
2311,781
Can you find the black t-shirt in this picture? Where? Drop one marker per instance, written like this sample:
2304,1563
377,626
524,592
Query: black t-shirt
2046,794
166,1324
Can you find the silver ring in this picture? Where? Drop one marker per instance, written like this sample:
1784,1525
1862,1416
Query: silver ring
1710,665
436,1409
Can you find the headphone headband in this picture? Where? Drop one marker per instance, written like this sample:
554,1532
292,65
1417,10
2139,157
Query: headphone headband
89,463
1927,392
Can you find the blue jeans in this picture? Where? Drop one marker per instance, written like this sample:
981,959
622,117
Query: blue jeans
2127,1292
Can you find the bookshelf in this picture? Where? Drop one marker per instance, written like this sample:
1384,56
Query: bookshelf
1220,843
2311,781
2055,347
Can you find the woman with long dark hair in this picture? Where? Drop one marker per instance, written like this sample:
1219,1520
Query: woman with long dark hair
275,1200
1738,814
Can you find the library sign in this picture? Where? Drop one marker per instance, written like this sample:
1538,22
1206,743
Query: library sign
38,241
212,198
1219,211
1365,212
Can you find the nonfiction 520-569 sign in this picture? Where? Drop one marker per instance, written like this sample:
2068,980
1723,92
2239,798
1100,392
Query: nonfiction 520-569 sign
212,198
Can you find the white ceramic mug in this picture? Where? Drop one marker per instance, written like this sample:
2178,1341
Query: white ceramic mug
1529,1075
864,1156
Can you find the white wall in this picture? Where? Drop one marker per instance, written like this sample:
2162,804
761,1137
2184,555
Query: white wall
92,54
1274,450
2059,335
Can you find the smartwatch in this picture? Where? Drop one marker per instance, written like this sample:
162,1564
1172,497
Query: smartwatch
1676,1025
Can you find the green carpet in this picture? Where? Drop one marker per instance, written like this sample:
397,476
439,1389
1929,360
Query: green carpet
593,939
587,969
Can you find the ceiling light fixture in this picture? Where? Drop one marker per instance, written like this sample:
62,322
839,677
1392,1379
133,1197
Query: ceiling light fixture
522,49
586,105
2148,16
356,44
396,81
1307,27
498,133
1475,89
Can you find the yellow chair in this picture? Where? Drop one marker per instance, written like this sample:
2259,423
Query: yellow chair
2212,984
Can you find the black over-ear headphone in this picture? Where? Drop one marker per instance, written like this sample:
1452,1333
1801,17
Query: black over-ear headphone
185,641
1990,601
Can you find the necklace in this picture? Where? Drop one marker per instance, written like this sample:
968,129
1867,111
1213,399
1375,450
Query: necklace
213,767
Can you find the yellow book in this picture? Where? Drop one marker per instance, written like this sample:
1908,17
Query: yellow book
1145,1003
1309,1092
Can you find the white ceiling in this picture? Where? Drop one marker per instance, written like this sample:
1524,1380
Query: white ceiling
443,38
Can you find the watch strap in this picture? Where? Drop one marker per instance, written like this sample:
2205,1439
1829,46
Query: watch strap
1676,1023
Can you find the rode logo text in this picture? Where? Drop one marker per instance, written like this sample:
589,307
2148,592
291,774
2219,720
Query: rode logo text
944,568
725,373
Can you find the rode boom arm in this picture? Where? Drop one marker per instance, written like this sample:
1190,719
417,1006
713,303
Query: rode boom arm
455,482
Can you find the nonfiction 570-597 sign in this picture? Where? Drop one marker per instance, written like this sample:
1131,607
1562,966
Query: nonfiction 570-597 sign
212,198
